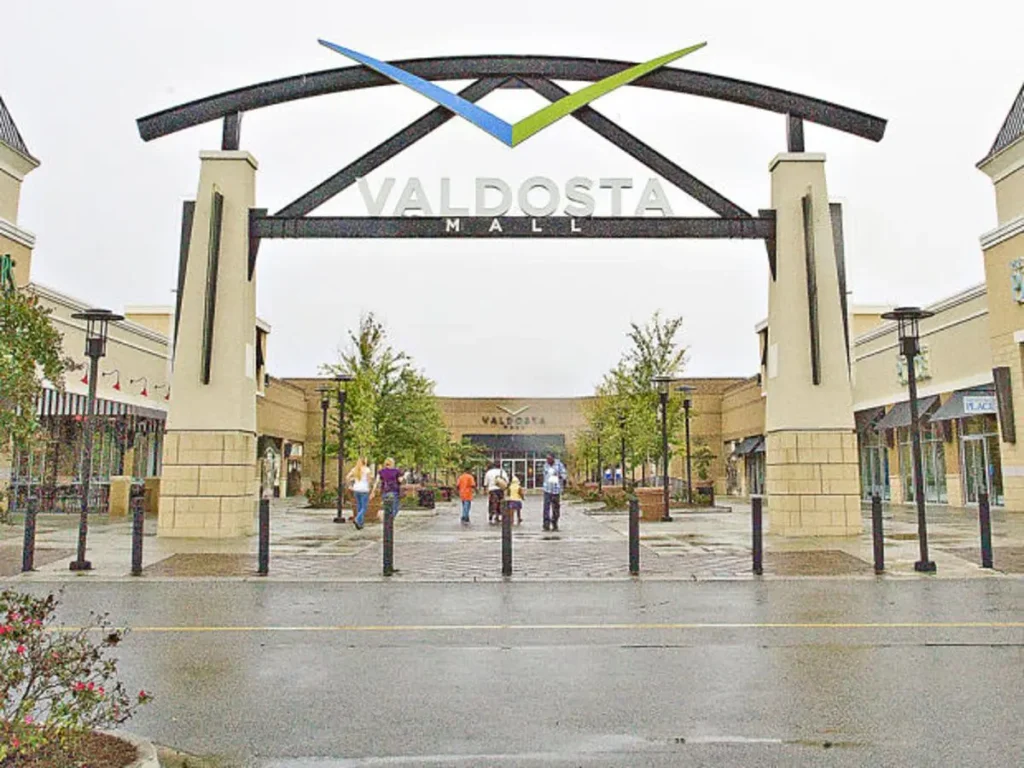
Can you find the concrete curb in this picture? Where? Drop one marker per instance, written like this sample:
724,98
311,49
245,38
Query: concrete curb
147,751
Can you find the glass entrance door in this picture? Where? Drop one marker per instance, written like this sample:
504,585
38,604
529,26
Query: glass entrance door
981,468
515,467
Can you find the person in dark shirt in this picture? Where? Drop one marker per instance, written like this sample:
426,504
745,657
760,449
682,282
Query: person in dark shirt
389,481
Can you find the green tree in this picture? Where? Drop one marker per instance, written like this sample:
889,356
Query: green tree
627,403
464,454
30,351
390,407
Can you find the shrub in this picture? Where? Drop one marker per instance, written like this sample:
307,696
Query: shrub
322,499
56,685
617,499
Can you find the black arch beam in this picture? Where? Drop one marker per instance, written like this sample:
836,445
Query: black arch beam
358,227
380,154
473,67
638,150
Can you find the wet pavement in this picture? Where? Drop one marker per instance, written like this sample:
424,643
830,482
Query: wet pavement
432,545
804,672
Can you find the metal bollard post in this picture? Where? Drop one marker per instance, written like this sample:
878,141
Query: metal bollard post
876,532
755,508
28,553
389,542
264,557
634,536
506,541
985,520
138,523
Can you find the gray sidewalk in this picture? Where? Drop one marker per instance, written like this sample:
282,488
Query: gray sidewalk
592,544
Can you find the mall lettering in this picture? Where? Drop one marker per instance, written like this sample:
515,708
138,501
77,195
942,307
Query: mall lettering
513,422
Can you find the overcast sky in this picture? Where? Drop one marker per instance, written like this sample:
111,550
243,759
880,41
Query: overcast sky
527,318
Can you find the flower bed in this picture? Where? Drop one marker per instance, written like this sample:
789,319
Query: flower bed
57,687
95,750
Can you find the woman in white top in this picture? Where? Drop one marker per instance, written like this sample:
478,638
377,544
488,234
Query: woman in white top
359,476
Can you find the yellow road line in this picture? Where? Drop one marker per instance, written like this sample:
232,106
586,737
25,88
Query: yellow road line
585,627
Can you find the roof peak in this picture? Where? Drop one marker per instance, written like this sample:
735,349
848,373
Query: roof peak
9,133
1013,126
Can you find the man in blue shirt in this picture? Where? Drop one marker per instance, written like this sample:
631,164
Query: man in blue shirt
554,481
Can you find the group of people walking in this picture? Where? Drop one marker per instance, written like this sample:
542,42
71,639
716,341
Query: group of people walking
505,494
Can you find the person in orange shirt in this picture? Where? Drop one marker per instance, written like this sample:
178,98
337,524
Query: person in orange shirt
466,485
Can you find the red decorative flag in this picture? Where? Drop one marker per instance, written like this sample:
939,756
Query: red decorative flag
117,385
85,379
144,393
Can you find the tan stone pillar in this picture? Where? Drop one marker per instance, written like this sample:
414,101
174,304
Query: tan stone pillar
812,473
210,483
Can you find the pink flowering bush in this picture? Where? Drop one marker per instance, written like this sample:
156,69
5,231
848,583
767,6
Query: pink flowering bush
56,684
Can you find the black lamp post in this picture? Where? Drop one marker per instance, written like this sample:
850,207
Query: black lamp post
600,465
325,403
687,391
907,319
663,384
96,322
622,447
343,379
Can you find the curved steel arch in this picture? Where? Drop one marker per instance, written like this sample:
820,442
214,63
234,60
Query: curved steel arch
229,103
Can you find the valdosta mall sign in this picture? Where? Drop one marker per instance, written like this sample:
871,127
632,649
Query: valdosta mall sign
487,207
537,197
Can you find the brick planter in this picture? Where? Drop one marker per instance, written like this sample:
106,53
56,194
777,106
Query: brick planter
652,504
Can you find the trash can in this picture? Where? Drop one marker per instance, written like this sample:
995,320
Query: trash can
426,498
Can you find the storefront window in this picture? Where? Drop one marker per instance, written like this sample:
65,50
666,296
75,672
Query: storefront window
755,473
933,461
874,465
981,464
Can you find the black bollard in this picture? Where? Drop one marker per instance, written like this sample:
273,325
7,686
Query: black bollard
634,536
985,520
506,541
389,542
264,556
28,553
138,523
755,508
876,532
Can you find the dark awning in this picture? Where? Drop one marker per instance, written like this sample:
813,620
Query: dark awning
866,420
750,445
980,399
899,414
520,443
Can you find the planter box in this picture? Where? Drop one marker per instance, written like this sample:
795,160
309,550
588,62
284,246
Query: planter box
652,504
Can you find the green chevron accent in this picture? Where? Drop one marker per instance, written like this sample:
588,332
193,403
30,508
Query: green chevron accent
541,119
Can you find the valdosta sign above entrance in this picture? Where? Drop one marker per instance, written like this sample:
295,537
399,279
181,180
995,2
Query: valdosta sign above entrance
536,197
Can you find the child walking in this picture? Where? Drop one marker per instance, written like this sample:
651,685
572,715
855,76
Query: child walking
515,500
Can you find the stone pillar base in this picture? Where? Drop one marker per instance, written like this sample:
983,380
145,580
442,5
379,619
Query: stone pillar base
813,483
209,486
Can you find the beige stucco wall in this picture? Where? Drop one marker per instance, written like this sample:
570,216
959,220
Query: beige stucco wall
10,194
956,339
1006,317
157,319
14,166
282,411
133,350
1010,195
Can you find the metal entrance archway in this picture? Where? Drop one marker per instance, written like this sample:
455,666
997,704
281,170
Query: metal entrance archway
805,355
